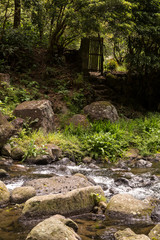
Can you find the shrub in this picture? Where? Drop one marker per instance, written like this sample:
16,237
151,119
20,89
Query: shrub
111,65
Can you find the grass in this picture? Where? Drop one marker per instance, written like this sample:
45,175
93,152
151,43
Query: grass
102,140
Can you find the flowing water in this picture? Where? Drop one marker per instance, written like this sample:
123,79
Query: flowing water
140,182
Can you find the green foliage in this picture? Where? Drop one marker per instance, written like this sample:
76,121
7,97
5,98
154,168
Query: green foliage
98,198
111,65
103,140
33,150
16,45
11,96
109,141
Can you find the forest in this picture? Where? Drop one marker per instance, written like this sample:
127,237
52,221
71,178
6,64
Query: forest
39,42
79,119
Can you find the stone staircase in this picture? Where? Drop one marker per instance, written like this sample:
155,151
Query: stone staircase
103,90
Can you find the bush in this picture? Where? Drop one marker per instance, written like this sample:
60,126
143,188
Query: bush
111,65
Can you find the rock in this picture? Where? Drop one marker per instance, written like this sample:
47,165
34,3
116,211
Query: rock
6,150
54,151
4,79
155,232
132,153
125,208
17,153
53,228
67,221
101,110
156,213
4,195
121,181
39,160
143,164
6,130
66,161
18,168
3,173
75,202
22,194
58,184
79,120
87,160
39,113
18,123
128,234
5,161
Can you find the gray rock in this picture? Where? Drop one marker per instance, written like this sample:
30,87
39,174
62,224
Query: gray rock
6,150
143,164
128,234
6,130
18,168
4,195
127,209
58,184
54,228
18,123
155,232
17,153
22,194
39,113
101,110
87,160
5,161
77,201
39,160
66,161
3,173
54,151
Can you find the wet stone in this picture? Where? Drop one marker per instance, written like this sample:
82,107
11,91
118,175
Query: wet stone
122,181
3,173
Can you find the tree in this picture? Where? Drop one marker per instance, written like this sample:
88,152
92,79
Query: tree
139,24
17,13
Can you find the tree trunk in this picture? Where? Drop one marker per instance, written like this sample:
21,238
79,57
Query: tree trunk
17,13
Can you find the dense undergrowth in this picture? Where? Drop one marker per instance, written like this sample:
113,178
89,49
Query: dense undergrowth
102,140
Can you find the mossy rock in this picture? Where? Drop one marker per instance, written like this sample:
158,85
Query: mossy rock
155,233
125,208
53,228
6,130
101,110
4,195
77,201
128,234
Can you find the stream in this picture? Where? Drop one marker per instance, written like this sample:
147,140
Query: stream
140,182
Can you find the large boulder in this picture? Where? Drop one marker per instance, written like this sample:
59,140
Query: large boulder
6,130
128,234
77,201
155,232
39,113
22,194
4,195
58,184
101,110
125,208
54,228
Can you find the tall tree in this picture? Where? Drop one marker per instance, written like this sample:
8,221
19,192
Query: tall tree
17,13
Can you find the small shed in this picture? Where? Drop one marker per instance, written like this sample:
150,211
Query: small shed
92,54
